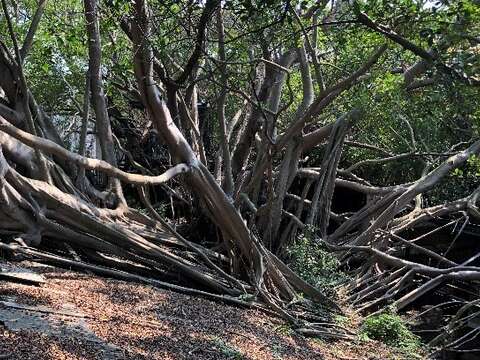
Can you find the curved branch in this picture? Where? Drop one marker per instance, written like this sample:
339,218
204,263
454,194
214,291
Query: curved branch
328,96
208,10
88,163
27,43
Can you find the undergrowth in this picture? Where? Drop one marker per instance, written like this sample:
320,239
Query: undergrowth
310,259
391,329
227,350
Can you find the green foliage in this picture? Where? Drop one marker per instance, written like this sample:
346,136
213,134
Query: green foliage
460,182
341,320
314,263
390,329
284,329
473,163
246,297
266,29
277,352
161,209
227,350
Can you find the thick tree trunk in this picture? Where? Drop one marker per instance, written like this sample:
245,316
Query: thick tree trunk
262,270
103,126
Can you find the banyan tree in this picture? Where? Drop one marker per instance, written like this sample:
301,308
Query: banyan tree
186,144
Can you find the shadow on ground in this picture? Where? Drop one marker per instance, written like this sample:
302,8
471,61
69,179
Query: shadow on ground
140,322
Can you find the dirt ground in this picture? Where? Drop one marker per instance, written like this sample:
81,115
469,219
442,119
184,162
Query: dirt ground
81,316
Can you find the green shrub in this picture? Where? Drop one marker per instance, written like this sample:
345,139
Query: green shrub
314,263
227,350
391,330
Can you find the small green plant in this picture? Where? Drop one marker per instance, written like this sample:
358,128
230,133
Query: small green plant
246,297
341,320
314,263
229,351
161,209
284,329
390,329
277,352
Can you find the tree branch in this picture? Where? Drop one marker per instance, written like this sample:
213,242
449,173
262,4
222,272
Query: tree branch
88,163
27,43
